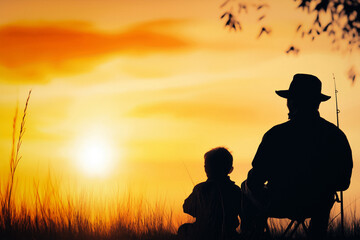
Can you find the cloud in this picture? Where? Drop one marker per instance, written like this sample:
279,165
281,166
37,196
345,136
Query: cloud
196,110
38,52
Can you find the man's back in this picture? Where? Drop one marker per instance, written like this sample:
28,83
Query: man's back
304,160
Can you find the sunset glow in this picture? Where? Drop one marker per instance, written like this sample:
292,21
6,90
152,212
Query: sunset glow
127,93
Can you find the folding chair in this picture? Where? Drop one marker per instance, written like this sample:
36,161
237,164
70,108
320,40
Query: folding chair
297,222
292,227
341,201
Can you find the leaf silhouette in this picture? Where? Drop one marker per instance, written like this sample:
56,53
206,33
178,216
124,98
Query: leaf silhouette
261,18
327,26
298,28
264,30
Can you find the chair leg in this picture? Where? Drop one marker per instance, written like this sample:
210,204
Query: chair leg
288,228
267,228
297,224
306,230
295,228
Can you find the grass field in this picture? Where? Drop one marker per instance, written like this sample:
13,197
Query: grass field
48,215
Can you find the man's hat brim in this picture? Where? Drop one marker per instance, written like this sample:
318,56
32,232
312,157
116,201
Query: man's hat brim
286,94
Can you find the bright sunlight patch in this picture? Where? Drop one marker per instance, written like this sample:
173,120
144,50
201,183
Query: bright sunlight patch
95,156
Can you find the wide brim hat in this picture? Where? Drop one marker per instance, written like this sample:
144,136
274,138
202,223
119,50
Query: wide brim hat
304,86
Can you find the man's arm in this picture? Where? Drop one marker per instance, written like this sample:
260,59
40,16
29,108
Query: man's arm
258,175
345,163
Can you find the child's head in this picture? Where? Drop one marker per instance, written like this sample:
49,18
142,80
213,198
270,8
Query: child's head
218,162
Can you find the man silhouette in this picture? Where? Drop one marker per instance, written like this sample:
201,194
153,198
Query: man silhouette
299,165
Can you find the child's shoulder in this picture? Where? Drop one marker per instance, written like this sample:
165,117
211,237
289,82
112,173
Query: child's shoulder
204,186
234,186
209,184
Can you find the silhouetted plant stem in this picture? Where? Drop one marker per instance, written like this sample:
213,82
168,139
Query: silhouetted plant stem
14,161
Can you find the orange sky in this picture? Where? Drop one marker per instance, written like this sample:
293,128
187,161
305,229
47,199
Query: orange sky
156,84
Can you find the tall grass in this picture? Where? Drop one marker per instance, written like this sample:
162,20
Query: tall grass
51,214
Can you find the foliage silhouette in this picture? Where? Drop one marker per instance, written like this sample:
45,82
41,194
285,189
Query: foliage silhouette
338,19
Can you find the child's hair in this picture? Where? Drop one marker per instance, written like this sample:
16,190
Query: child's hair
218,162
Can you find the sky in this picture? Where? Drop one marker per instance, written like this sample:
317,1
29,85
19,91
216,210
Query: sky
129,95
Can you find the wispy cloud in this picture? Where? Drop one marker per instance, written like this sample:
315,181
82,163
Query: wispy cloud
196,110
38,52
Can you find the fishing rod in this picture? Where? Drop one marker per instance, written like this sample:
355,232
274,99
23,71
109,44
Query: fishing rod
187,171
341,200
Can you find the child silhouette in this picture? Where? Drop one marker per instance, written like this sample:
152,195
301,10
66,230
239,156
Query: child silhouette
214,203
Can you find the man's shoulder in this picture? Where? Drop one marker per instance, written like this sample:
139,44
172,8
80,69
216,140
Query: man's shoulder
328,124
331,128
282,127
285,126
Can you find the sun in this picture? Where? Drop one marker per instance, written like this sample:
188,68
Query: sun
95,156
